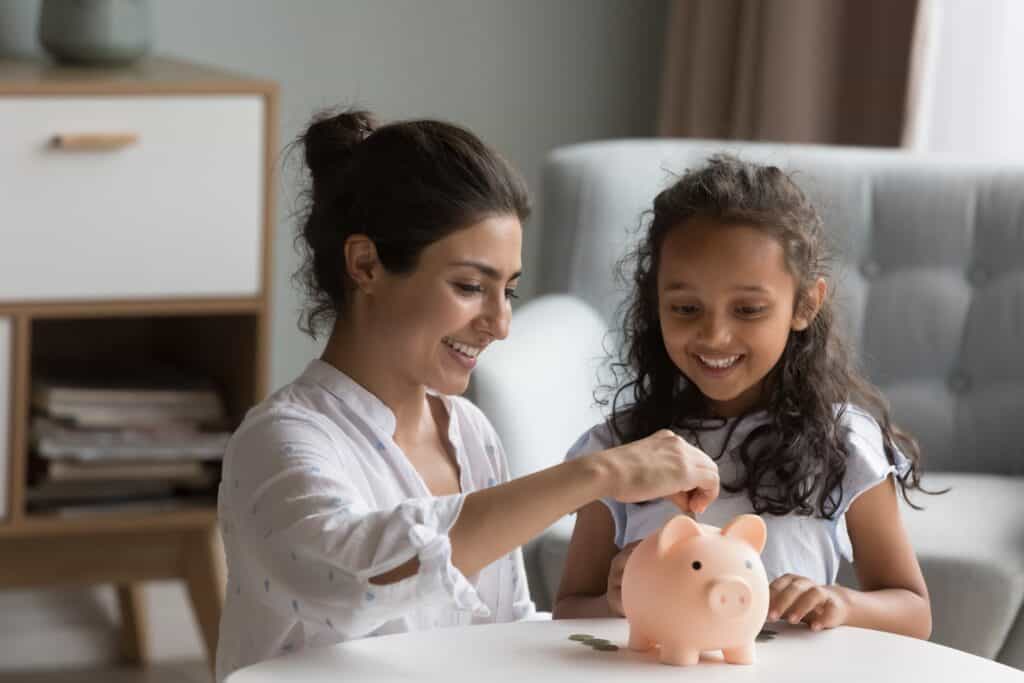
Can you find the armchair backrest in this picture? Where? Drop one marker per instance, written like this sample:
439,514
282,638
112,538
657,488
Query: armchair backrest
929,274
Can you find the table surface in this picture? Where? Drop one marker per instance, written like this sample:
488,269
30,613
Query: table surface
539,651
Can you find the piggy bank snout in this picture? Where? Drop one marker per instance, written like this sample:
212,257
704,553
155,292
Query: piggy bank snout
729,596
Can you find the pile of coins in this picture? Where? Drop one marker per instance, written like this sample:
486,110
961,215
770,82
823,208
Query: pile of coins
596,643
604,645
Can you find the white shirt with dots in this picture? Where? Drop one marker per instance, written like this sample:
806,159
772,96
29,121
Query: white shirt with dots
316,499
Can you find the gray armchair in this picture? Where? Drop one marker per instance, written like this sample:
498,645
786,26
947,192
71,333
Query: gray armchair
931,287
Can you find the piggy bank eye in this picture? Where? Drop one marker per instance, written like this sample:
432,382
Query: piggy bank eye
749,564
696,564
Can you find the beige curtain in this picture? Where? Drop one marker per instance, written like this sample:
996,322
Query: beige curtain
827,71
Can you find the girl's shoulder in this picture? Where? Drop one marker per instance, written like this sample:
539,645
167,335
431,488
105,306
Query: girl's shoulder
598,438
861,432
868,462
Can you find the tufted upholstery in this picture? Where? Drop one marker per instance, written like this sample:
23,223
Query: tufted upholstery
930,282
930,279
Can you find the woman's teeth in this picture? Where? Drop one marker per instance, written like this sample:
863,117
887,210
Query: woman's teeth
719,363
464,349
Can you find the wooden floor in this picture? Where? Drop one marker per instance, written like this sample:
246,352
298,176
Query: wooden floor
195,671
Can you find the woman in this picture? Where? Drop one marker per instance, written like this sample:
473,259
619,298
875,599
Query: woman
366,497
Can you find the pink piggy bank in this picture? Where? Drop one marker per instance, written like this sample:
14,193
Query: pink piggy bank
691,587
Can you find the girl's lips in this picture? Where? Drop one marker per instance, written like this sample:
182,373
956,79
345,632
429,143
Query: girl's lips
718,367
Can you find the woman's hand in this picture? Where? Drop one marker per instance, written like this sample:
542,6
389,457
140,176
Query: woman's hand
795,598
662,465
614,592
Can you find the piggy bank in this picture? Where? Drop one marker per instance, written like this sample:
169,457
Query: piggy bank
691,587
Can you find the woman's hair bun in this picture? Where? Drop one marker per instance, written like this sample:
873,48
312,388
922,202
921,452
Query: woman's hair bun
331,139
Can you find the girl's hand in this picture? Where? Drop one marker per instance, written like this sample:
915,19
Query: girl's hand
614,593
662,465
795,598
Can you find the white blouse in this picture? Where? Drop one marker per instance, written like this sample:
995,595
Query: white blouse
810,546
316,499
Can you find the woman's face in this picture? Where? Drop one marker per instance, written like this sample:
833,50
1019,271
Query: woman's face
441,316
726,308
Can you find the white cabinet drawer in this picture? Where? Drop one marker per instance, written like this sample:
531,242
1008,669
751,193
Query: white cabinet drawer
6,388
177,213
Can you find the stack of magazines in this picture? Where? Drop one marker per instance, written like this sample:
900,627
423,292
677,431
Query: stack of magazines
151,438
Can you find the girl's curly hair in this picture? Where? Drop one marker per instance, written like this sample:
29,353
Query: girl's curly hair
797,460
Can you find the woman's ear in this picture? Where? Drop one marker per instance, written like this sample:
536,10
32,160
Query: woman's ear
811,303
362,264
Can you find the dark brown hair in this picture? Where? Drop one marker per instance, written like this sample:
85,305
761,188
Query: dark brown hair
797,460
404,185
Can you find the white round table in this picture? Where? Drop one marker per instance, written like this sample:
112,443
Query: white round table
540,651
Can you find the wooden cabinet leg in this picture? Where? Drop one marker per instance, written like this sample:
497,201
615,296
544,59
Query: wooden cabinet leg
134,645
203,565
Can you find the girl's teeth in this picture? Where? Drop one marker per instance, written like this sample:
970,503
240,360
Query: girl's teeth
720,363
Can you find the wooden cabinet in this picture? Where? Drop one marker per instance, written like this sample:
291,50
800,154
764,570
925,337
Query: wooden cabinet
135,224
131,197
6,390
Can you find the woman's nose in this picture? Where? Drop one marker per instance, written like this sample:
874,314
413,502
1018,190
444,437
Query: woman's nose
497,316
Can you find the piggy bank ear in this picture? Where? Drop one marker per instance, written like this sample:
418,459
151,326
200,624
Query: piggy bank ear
748,528
680,528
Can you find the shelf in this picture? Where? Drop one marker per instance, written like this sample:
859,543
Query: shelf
221,347
188,287
102,523
147,307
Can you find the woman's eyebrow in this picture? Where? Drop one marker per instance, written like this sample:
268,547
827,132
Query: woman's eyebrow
488,271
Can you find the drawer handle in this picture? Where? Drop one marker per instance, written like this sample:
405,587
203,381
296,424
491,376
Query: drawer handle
94,141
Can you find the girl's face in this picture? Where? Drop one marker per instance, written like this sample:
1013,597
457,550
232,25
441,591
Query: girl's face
437,319
726,308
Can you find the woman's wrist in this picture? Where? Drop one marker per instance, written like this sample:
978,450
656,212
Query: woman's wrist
597,476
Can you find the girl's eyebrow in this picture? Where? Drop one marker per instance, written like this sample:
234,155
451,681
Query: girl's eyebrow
486,270
685,286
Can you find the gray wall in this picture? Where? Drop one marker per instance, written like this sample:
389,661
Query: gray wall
526,75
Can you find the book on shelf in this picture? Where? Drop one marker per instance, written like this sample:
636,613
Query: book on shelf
59,484
148,506
127,396
53,439
192,473
50,492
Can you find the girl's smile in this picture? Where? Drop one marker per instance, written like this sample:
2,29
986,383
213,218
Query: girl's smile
718,366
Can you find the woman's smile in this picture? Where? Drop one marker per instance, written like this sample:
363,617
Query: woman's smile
465,354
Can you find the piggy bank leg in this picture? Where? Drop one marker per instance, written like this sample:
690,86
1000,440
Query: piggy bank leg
638,640
744,654
677,654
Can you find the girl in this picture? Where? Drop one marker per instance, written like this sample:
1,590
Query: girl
729,340
366,497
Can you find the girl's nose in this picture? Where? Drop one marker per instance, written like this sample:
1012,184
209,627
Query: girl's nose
713,331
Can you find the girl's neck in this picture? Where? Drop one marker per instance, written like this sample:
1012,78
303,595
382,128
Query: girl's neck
367,365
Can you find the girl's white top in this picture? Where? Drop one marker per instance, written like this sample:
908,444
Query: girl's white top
316,499
809,546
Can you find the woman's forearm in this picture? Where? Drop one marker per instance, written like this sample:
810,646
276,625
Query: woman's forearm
896,610
495,521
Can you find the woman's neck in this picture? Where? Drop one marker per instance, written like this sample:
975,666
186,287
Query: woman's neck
369,367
